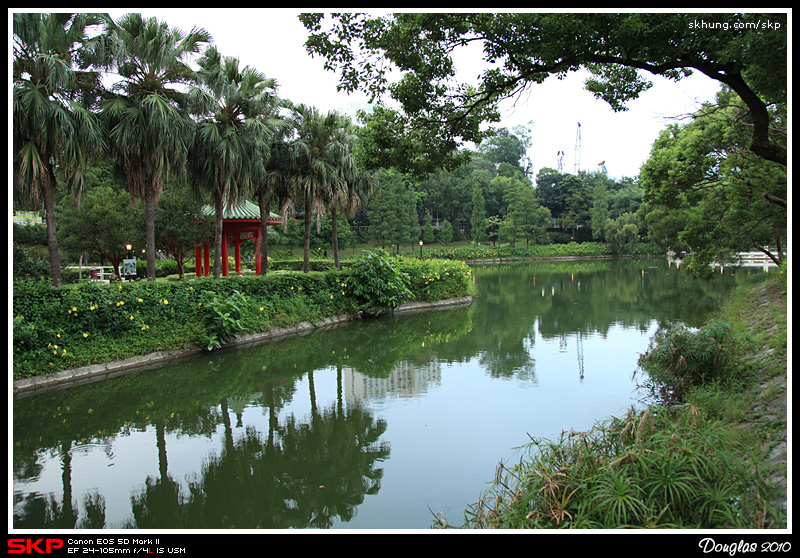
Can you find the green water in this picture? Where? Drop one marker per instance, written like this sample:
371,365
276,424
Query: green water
376,424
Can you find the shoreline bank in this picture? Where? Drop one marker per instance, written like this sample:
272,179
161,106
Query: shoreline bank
112,369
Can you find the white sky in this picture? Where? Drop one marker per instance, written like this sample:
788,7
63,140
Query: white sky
271,40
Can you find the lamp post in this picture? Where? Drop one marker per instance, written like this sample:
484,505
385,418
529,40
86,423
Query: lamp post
420,249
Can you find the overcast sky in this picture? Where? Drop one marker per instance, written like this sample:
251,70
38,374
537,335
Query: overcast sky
271,40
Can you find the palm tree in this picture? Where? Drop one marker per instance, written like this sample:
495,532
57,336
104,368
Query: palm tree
149,128
232,143
356,186
317,151
273,188
52,131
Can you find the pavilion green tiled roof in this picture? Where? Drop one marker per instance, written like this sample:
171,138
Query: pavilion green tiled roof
246,210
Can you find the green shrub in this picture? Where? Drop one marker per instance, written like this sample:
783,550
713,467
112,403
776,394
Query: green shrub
680,357
222,316
431,280
377,282
27,268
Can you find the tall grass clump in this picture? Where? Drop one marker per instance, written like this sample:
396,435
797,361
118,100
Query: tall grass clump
681,358
650,469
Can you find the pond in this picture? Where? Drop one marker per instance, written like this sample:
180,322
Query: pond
375,424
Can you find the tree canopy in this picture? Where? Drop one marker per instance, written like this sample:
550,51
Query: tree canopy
726,198
411,58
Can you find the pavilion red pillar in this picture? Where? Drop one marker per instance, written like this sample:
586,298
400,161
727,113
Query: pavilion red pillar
198,261
257,251
206,259
237,252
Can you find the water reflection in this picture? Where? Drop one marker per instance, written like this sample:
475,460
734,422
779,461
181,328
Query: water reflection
368,424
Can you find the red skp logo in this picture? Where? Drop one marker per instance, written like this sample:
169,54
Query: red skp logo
29,546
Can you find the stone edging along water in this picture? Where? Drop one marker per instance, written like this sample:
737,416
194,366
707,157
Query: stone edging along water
107,370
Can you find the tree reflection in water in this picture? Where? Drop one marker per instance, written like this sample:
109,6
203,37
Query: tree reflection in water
277,451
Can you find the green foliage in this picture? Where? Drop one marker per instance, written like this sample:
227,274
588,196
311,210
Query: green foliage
431,280
26,267
390,208
57,328
446,232
649,469
377,282
680,358
364,50
222,316
706,193
103,224
622,233
570,250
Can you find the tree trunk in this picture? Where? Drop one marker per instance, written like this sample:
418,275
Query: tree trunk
48,191
307,236
264,203
335,238
150,234
218,238
760,144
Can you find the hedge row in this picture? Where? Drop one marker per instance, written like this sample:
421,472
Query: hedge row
572,249
49,322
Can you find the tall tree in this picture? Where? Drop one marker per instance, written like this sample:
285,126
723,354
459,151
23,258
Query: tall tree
317,151
599,211
389,208
746,51
150,130
231,147
54,132
355,187
738,200
273,188
478,218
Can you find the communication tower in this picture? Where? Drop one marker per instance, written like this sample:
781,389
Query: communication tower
578,149
560,156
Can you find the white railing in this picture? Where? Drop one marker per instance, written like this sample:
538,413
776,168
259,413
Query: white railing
102,274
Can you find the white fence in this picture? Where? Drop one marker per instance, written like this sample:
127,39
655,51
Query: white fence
103,272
